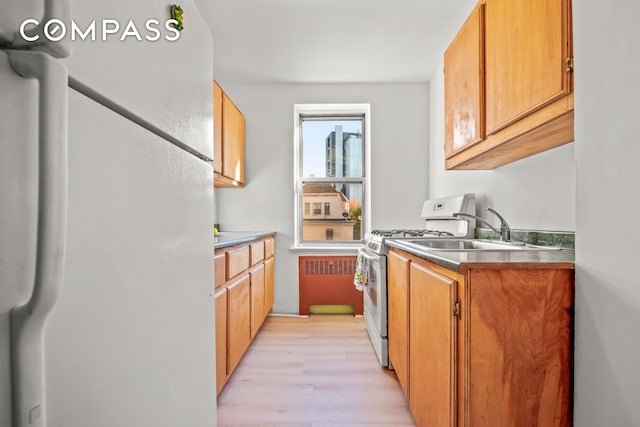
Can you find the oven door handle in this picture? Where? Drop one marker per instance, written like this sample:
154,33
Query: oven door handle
365,254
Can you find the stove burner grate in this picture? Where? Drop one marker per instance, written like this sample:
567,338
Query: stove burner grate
411,233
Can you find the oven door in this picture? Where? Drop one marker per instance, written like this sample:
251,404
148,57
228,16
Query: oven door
374,270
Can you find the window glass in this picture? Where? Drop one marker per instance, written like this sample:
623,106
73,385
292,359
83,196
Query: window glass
331,181
332,148
342,211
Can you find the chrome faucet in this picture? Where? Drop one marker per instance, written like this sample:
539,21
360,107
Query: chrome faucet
504,232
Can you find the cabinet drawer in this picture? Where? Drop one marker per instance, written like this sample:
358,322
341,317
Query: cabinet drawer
268,248
237,261
220,269
257,252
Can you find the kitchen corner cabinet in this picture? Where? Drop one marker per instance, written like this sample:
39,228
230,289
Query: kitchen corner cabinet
523,81
243,299
489,346
228,140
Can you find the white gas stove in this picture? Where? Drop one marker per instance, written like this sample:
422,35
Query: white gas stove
371,276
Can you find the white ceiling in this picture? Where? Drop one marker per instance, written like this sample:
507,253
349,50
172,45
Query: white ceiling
331,41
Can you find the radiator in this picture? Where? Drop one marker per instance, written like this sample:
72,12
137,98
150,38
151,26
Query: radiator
328,280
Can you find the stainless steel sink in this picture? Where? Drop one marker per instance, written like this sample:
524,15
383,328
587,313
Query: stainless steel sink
475,245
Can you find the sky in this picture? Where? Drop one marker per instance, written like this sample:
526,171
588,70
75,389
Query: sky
314,134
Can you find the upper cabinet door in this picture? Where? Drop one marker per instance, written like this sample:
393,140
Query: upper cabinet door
527,49
217,128
232,141
464,85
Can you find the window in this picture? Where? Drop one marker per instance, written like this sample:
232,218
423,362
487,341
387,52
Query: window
332,159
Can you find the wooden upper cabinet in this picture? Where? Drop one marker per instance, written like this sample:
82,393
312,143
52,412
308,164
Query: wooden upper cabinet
217,128
509,83
228,140
526,57
232,141
464,85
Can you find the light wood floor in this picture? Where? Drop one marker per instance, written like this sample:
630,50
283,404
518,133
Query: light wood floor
319,371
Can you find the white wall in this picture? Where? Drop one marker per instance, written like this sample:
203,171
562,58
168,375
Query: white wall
536,193
399,133
607,359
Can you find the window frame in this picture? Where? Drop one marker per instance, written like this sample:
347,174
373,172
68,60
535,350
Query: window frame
330,112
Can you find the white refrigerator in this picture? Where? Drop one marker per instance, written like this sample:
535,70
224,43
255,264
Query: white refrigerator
106,219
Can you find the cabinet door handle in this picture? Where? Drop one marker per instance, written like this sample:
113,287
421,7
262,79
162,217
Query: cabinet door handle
569,65
456,309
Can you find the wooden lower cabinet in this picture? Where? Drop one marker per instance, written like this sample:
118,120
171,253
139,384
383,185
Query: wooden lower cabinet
519,347
398,314
257,298
488,346
243,299
269,281
221,339
239,318
432,334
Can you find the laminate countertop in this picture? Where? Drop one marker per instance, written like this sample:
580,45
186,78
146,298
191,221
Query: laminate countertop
465,260
229,238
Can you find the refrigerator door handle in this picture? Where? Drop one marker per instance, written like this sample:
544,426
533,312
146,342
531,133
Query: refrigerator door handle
59,10
28,321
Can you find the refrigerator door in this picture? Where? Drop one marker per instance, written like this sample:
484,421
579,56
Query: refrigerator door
18,207
166,83
28,321
131,340
23,23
